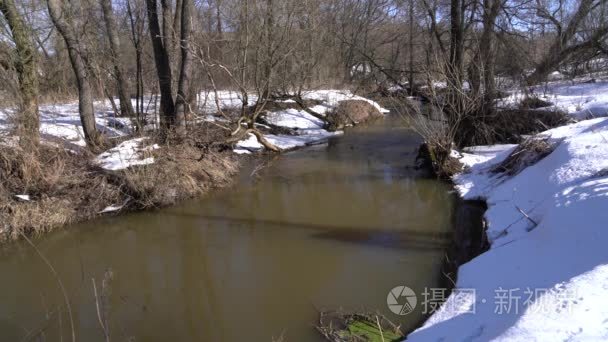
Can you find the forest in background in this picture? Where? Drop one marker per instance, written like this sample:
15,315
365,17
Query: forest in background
126,49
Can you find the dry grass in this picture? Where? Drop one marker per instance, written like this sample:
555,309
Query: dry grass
509,125
180,171
437,159
351,112
66,187
526,154
533,102
63,187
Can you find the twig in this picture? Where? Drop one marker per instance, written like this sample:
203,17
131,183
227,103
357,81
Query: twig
103,327
379,328
528,217
54,272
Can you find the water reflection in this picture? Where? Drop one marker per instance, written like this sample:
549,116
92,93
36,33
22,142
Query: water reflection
331,226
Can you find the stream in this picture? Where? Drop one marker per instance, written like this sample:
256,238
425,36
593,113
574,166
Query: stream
328,226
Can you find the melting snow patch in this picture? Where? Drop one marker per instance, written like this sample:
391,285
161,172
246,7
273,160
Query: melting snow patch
293,118
126,154
308,128
115,207
249,144
580,100
332,97
284,141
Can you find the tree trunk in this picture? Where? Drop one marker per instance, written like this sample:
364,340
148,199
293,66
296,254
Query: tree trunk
269,37
136,23
163,67
182,103
126,108
454,69
218,20
63,22
411,47
559,54
491,10
456,44
559,49
28,121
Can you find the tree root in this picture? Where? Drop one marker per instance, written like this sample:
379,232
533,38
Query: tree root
251,129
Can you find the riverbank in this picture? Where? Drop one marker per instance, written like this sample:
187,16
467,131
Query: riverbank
303,223
64,183
544,199
52,186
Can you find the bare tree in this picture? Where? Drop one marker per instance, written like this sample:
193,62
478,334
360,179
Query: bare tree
68,24
163,66
136,25
182,101
566,43
26,66
126,108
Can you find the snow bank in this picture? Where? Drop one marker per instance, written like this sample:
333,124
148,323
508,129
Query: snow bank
284,142
308,128
548,256
332,97
126,154
293,118
581,100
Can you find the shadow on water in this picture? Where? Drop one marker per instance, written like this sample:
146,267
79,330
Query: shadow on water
371,236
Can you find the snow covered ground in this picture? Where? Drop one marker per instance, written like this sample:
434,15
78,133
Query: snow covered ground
579,99
128,153
308,128
545,277
61,123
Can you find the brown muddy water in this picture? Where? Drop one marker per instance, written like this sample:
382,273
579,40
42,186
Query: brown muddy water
335,225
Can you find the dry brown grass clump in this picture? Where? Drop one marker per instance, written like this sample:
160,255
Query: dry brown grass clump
62,187
65,187
351,112
179,172
183,168
438,161
526,154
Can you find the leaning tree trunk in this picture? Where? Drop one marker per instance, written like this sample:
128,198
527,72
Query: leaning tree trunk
163,67
63,22
126,108
560,49
28,121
